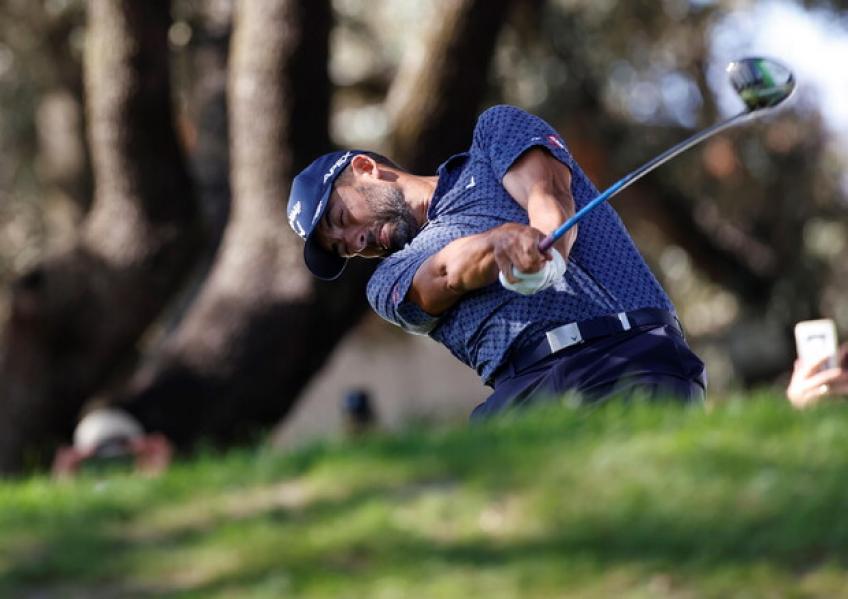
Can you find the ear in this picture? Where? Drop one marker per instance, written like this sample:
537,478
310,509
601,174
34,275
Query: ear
364,166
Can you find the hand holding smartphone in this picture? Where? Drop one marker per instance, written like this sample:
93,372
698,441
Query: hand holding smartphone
815,340
821,370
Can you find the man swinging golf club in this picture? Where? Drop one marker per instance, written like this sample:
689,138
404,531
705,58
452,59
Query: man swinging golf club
462,263
485,257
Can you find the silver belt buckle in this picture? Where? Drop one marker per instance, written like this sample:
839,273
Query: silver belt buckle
564,336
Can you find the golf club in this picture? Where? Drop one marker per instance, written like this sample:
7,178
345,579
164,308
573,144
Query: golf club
762,84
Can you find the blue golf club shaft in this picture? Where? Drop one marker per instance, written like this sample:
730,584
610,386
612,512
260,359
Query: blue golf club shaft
643,170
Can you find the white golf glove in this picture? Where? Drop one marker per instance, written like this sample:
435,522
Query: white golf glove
529,283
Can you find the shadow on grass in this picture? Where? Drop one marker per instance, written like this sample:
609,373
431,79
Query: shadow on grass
790,532
659,544
779,509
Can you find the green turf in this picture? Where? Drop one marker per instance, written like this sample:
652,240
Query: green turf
746,499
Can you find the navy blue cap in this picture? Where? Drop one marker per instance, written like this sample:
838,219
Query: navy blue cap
308,200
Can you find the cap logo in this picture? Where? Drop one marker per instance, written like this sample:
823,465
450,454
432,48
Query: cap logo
318,211
336,165
293,214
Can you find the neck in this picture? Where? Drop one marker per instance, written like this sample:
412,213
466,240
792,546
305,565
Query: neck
418,191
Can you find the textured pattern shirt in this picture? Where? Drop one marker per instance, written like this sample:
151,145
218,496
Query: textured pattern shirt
605,274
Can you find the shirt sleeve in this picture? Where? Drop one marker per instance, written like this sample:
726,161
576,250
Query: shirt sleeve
503,133
387,290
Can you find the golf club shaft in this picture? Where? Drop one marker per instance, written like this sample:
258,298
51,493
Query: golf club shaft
643,170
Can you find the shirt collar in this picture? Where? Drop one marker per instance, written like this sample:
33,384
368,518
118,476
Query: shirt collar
448,171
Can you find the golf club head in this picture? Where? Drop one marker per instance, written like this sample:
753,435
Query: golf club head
760,82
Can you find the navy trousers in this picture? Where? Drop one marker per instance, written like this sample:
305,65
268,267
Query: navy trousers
652,362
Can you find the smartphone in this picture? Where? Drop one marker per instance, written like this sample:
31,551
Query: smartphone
816,339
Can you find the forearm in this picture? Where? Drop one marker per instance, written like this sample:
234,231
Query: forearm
542,185
463,265
547,209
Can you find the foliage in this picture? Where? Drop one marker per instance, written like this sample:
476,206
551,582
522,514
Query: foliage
640,500
763,207
632,78
40,55
747,232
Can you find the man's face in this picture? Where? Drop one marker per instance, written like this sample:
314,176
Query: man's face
367,219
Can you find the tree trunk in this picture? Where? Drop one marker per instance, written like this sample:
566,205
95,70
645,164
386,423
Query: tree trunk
208,55
434,112
263,325
206,125
260,324
75,317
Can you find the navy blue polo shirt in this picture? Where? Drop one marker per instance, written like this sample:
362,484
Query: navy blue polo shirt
605,272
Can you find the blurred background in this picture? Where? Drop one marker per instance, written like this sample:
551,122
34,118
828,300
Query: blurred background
146,150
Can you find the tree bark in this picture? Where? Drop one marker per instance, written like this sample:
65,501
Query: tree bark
210,154
206,131
75,317
263,326
435,111
260,324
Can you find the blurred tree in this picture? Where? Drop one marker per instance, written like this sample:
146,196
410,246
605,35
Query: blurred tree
200,37
200,64
45,182
63,158
738,206
262,325
259,324
741,229
74,317
459,53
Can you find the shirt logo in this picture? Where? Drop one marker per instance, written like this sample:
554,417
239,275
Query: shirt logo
293,222
471,183
336,165
554,140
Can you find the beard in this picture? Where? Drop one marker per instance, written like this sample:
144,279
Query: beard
390,208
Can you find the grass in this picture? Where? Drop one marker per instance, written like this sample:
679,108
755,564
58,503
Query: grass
747,499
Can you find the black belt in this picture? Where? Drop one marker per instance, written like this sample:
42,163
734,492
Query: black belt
576,333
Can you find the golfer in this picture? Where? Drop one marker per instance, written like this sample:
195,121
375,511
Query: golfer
461,263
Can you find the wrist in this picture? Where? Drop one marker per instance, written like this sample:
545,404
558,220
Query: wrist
534,282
